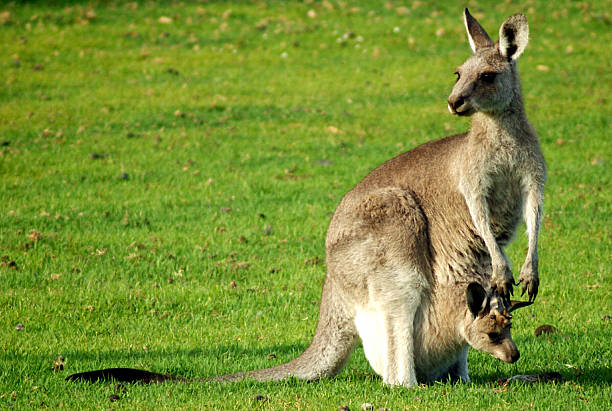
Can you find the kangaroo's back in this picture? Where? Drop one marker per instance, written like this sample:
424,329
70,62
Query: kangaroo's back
427,174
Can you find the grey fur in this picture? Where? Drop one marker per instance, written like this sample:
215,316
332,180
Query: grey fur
405,244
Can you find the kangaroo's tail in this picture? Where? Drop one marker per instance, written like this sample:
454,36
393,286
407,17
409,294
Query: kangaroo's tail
334,340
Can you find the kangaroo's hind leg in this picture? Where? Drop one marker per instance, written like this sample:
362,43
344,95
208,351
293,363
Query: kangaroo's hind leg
393,254
386,330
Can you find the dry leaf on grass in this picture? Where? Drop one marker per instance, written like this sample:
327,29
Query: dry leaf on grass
545,329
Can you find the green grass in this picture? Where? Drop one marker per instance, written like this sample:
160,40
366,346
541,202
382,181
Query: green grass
238,133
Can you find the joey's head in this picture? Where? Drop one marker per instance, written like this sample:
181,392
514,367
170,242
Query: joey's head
488,81
488,323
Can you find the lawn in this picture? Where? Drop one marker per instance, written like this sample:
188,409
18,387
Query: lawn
168,171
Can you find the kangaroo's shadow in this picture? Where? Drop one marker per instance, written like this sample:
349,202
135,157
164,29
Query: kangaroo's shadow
216,360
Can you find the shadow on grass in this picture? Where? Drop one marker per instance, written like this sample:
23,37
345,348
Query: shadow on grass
592,376
221,359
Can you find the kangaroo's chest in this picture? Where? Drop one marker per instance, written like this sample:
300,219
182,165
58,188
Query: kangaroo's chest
504,200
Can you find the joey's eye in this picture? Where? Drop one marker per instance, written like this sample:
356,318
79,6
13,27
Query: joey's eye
458,75
488,77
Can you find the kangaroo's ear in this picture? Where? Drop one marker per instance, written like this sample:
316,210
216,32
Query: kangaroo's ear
476,298
477,36
513,36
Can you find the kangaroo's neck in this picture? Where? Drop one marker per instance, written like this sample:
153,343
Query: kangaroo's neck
511,123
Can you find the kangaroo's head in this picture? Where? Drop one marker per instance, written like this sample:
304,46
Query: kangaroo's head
488,81
488,323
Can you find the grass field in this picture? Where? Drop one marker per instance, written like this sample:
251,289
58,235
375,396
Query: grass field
168,172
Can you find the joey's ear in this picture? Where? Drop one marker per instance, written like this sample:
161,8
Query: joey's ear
477,36
513,36
476,297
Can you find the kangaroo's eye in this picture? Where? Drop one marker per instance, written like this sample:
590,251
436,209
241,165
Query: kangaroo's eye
458,75
494,336
488,77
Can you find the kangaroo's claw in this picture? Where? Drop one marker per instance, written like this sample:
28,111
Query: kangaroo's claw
530,285
524,288
504,289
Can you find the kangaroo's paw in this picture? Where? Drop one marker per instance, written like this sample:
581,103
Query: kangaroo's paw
530,281
406,382
502,281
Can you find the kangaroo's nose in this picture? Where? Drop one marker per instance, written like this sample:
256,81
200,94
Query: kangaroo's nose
454,103
515,356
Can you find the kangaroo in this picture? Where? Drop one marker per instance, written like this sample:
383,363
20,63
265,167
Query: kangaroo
415,266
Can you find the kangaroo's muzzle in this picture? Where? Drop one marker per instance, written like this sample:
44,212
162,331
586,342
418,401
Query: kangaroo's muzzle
458,105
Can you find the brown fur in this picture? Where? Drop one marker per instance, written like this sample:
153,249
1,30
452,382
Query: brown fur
405,243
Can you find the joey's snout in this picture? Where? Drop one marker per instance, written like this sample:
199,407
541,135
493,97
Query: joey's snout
508,354
510,357
515,356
